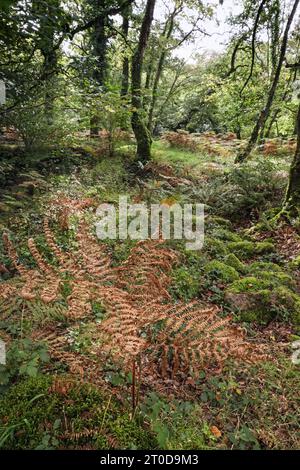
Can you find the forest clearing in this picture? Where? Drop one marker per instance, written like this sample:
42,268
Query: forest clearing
123,343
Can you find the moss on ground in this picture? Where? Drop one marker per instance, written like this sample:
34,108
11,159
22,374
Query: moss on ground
265,297
185,283
215,221
37,414
247,249
221,271
214,247
243,249
259,266
235,262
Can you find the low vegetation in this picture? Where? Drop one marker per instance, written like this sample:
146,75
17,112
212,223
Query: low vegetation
143,344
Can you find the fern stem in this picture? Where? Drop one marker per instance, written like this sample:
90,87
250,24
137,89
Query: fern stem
133,386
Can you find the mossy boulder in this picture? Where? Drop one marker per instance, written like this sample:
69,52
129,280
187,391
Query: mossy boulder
226,235
221,271
233,261
265,298
242,249
249,284
248,249
259,266
265,247
277,278
215,221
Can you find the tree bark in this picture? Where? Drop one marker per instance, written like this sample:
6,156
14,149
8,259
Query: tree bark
46,12
139,127
160,65
266,111
49,66
99,47
272,120
291,204
125,67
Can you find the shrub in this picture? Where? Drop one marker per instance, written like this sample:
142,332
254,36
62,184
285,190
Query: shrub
36,132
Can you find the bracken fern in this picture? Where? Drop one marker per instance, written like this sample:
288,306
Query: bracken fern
141,323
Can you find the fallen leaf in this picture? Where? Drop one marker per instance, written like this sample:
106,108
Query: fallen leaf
215,431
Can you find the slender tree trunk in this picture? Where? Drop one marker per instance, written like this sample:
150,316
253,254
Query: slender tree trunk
125,67
46,11
50,65
170,93
266,134
149,71
160,65
272,120
99,45
139,127
237,130
266,111
291,204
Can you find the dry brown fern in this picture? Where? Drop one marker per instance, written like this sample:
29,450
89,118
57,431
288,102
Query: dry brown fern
141,321
66,206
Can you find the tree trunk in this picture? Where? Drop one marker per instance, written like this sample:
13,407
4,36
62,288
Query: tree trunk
266,111
46,12
166,34
139,127
291,205
125,67
99,45
238,132
272,120
49,66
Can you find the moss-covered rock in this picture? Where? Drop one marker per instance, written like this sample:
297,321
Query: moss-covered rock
263,280
215,221
247,249
242,249
226,235
249,284
235,262
259,266
221,271
264,299
254,306
264,247
216,248
277,278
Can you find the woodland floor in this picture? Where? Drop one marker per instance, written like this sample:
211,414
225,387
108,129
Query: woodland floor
248,267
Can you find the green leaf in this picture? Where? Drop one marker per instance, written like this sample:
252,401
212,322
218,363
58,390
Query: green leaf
162,433
32,371
44,356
